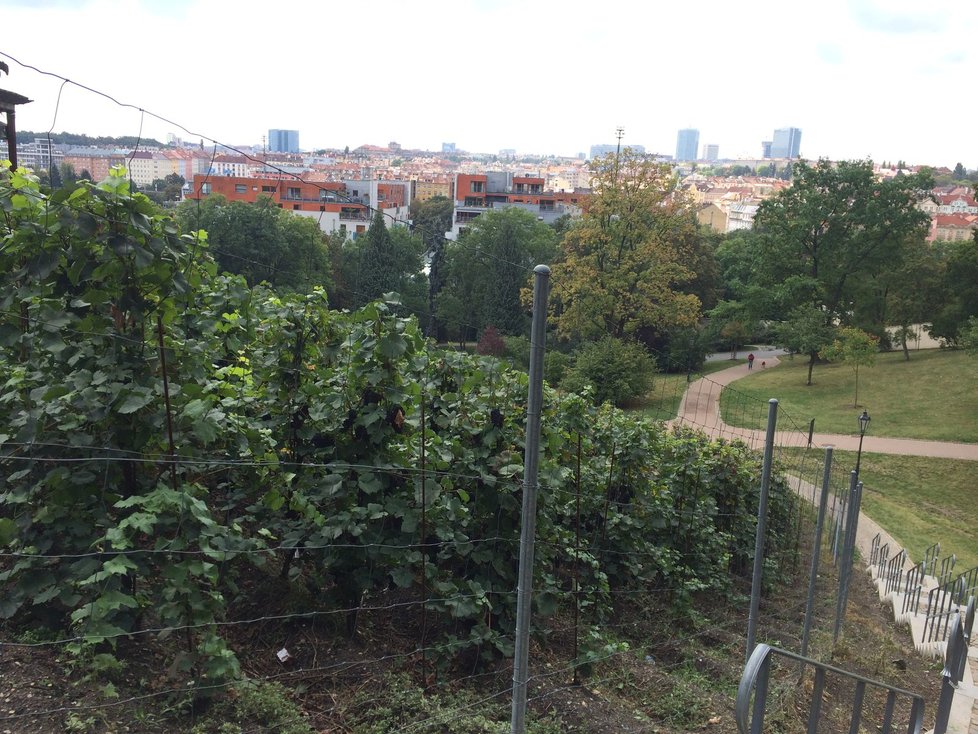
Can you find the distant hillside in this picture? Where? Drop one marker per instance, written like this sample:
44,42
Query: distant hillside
63,138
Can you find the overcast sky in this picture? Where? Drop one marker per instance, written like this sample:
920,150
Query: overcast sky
887,79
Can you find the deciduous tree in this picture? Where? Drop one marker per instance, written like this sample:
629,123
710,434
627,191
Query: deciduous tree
261,242
855,348
488,266
626,268
836,225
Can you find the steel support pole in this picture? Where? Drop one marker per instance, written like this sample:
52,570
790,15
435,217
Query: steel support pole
538,334
755,589
845,563
817,551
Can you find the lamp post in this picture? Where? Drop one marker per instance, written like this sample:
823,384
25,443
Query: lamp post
864,420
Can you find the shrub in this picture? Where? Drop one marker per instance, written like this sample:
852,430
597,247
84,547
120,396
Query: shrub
491,343
618,371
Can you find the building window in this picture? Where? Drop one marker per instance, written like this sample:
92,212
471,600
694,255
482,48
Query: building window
294,192
268,189
477,187
295,207
205,189
240,188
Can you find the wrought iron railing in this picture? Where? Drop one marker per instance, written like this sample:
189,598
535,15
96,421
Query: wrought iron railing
754,685
930,559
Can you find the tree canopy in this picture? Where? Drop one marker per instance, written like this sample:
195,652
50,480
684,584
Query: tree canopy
384,260
261,242
628,265
818,243
487,268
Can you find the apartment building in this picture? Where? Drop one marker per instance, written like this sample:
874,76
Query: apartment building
429,189
476,193
38,155
337,206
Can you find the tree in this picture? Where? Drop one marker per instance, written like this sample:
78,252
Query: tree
733,333
261,242
958,289
806,331
377,270
68,174
903,295
817,240
487,268
384,260
54,174
626,264
959,173
432,218
855,348
969,336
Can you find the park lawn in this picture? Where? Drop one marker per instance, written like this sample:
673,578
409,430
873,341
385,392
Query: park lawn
662,402
934,396
920,501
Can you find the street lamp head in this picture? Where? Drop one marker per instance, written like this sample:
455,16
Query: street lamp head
863,423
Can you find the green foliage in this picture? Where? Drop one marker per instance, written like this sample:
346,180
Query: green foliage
805,331
616,370
627,267
261,242
404,704
958,289
300,427
66,138
818,243
855,348
88,277
969,336
250,704
384,260
487,268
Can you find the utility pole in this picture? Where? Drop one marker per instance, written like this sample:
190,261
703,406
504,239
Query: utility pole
8,103
619,133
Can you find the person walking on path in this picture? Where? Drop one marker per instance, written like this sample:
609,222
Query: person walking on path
750,361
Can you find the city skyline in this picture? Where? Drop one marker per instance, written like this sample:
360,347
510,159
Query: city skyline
843,74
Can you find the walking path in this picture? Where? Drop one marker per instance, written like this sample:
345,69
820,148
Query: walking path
700,408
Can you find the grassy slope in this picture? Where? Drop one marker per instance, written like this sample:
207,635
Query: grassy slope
933,396
920,501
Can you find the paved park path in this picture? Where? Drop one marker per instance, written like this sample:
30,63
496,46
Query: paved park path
700,407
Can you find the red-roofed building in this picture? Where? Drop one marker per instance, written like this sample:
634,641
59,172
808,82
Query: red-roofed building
953,227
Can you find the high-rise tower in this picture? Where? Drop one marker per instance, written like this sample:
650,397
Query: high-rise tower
786,143
687,143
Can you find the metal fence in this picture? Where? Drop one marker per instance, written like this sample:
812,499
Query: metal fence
752,696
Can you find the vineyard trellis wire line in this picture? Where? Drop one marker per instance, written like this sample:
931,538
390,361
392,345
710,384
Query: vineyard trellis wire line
349,664
415,544
282,172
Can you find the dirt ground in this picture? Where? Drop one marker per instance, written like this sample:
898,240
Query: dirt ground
656,673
